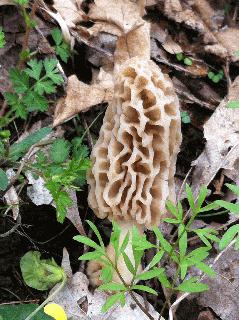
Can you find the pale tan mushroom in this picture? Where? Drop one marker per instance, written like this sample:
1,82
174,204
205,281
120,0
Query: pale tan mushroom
133,161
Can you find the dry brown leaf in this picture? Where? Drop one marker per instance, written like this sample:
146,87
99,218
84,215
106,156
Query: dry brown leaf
73,214
174,10
222,148
69,11
11,196
125,14
79,98
171,46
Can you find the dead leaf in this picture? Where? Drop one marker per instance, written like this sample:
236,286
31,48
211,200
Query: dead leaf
37,192
70,12
174,10
80,304
11,196
73,214
125,14
171,46
222,297
222,148
79,98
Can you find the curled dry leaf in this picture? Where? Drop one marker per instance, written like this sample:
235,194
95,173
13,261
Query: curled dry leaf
222,148
126,15
80,304
79,98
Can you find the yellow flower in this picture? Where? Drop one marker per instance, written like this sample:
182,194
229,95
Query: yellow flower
55,311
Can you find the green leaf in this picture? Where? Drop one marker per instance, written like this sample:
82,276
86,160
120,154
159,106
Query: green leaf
19,149
112,300
3,180
180,56
206,269
63,51
171,207
40,274
35,101
44,86
35,69
20,80
236,53
60,150
216,78
205,234
201,197
192,285
232,207
164,280
2,38
183,240
188,61
57,36
112,286
144,288
233,188
97,233
228,236
233,104
185,117
190,198
156,259
210,75
21,311
87,241
147,275
52,71
129,264
94,255
163,242
124,244
106,274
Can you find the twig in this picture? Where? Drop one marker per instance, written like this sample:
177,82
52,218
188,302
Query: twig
14,228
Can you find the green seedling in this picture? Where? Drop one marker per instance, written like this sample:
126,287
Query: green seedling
216,77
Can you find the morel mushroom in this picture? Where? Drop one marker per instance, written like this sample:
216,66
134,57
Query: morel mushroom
133,161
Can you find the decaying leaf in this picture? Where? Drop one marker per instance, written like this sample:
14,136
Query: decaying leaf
126,15
222,297
222,148
70,11
80,304
37,191
79,98
73,213
11,196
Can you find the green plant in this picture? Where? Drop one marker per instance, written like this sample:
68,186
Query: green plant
62,48
181,57
185,117
175,253
233,104
2,38
215,77
63,169
30,87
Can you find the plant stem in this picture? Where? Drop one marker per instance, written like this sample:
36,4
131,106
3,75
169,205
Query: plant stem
48,299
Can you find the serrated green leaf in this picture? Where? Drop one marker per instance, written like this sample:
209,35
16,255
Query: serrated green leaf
206,269
20,80
19,149
3,180
45,86
97,233
182,235
232,207
192,285
52,72
63,51
94,255
57,36
156,259
35,101
129,264
147,275
144,288
228,236
87,241
60,150
35,69
112,286
118,297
